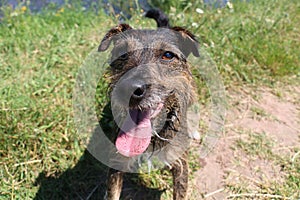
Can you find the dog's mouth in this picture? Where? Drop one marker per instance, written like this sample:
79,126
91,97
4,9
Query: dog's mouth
136,131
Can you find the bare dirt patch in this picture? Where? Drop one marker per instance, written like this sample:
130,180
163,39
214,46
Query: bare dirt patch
261,124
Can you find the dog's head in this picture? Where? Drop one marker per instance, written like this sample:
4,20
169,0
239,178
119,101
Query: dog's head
150,80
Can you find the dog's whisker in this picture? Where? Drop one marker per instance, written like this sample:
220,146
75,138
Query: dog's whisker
139,107
156,134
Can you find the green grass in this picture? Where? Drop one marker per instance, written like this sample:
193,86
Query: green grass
256,43
40,56
253,42
256,144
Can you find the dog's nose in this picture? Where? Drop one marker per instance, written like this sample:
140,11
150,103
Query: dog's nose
139,91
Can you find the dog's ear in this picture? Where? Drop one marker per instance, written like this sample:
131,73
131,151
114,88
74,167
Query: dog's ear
110,35
189,43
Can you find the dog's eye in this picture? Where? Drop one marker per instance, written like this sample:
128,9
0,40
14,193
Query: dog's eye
123,56
167,56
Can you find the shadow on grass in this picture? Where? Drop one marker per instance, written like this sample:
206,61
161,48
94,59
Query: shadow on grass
87,180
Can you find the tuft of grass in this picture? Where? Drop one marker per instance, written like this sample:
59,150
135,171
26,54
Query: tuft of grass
291,167
256,144
259,113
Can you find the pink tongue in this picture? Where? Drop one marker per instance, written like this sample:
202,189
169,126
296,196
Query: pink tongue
135,134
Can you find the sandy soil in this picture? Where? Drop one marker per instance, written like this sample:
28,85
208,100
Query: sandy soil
274,113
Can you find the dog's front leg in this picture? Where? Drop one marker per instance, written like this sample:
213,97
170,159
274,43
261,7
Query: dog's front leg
180,172
114,185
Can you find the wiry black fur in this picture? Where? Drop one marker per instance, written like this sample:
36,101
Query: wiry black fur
175,88
160,18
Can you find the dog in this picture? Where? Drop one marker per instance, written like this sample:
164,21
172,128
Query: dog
151,88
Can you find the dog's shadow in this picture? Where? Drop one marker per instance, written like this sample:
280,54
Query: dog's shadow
87,180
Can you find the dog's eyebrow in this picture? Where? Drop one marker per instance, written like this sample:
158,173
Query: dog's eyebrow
121,47
167,47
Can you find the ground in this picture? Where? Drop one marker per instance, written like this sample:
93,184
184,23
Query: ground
256,119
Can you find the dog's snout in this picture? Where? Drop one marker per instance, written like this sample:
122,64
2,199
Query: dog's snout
139,91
